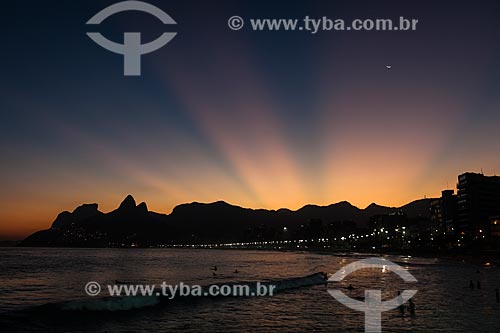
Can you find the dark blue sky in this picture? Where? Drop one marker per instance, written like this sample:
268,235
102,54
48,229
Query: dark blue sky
259,119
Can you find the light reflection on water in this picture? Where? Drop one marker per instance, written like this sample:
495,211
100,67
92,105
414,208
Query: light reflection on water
444,302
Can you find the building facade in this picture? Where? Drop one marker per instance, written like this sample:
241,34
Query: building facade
478,201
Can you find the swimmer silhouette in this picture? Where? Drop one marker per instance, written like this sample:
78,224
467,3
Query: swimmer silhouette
411,307
402,306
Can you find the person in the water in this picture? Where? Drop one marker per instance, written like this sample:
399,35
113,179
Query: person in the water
411,307
402,306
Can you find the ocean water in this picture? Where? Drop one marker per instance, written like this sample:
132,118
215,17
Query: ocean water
36,285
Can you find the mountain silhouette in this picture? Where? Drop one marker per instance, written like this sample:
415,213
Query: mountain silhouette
197,222
81,213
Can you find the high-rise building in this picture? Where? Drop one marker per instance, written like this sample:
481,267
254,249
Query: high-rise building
449,210
478,201
444,213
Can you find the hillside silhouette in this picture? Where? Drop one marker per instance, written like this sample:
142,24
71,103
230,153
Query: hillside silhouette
197,223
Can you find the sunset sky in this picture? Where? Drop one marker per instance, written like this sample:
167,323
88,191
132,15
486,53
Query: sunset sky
258,119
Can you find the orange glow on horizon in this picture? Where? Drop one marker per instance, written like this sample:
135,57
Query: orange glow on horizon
359,133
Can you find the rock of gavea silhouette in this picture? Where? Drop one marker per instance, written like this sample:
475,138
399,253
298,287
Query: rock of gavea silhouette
87,226
80,214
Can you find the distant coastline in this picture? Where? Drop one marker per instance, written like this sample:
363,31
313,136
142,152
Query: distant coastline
454,224
133,225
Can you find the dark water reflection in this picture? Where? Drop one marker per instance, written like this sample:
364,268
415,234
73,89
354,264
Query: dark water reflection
31,277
